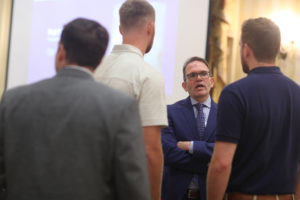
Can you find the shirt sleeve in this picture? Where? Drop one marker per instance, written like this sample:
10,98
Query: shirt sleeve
152,104
230,116
191,150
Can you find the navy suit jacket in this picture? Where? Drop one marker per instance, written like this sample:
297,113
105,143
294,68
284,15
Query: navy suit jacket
180,165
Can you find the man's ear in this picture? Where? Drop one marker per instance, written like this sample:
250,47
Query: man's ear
61,52
184,85
150,28
212,82
247,50
60,58
121,30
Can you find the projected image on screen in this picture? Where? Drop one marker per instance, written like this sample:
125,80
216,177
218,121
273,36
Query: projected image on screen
181,32
49,16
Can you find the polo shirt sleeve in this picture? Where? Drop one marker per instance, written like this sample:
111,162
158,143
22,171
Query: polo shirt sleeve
152,104
230,117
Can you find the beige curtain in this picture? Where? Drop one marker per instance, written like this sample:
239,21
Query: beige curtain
290,65
229,69
5,13
222,40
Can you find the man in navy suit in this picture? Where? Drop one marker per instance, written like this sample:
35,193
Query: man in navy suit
187,147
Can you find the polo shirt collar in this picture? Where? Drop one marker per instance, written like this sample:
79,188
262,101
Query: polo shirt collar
127,48
273,69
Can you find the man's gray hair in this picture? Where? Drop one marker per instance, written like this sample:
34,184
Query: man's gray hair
134,13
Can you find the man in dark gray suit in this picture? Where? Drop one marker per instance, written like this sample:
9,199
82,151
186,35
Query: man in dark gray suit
68,137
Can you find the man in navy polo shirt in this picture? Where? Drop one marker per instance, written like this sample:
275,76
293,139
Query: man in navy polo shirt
256,153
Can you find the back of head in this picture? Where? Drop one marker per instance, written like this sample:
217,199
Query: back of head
263,36
85,42
135,13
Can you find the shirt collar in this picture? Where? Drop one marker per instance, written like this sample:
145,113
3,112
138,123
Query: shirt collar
127,48
207,102
263,69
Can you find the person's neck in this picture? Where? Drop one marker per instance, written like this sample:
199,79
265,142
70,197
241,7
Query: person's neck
136,41
200,99
256,64
91,69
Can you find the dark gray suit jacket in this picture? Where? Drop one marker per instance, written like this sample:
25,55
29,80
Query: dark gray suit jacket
70,138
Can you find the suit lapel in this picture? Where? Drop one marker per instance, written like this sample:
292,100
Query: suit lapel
189,119
211,122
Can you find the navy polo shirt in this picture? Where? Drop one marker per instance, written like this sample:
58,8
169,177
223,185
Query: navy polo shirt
261,114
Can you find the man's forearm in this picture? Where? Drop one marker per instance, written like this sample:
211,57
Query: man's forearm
217,180
155,165
219,170
155,159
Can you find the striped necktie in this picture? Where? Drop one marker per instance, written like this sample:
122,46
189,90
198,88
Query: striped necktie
200,119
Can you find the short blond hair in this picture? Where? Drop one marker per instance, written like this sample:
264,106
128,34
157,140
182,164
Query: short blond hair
135,13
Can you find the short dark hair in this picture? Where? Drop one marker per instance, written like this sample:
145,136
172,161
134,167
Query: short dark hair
134,13
192,59
85,42
263,36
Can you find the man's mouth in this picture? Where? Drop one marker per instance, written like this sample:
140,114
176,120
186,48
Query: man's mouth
198,86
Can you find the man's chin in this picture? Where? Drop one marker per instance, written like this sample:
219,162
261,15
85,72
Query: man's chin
246,70
245,67
148,49
201,94
200,90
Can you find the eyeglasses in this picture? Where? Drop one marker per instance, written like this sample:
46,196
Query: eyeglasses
194,75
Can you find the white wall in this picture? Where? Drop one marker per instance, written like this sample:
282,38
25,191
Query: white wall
191,40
